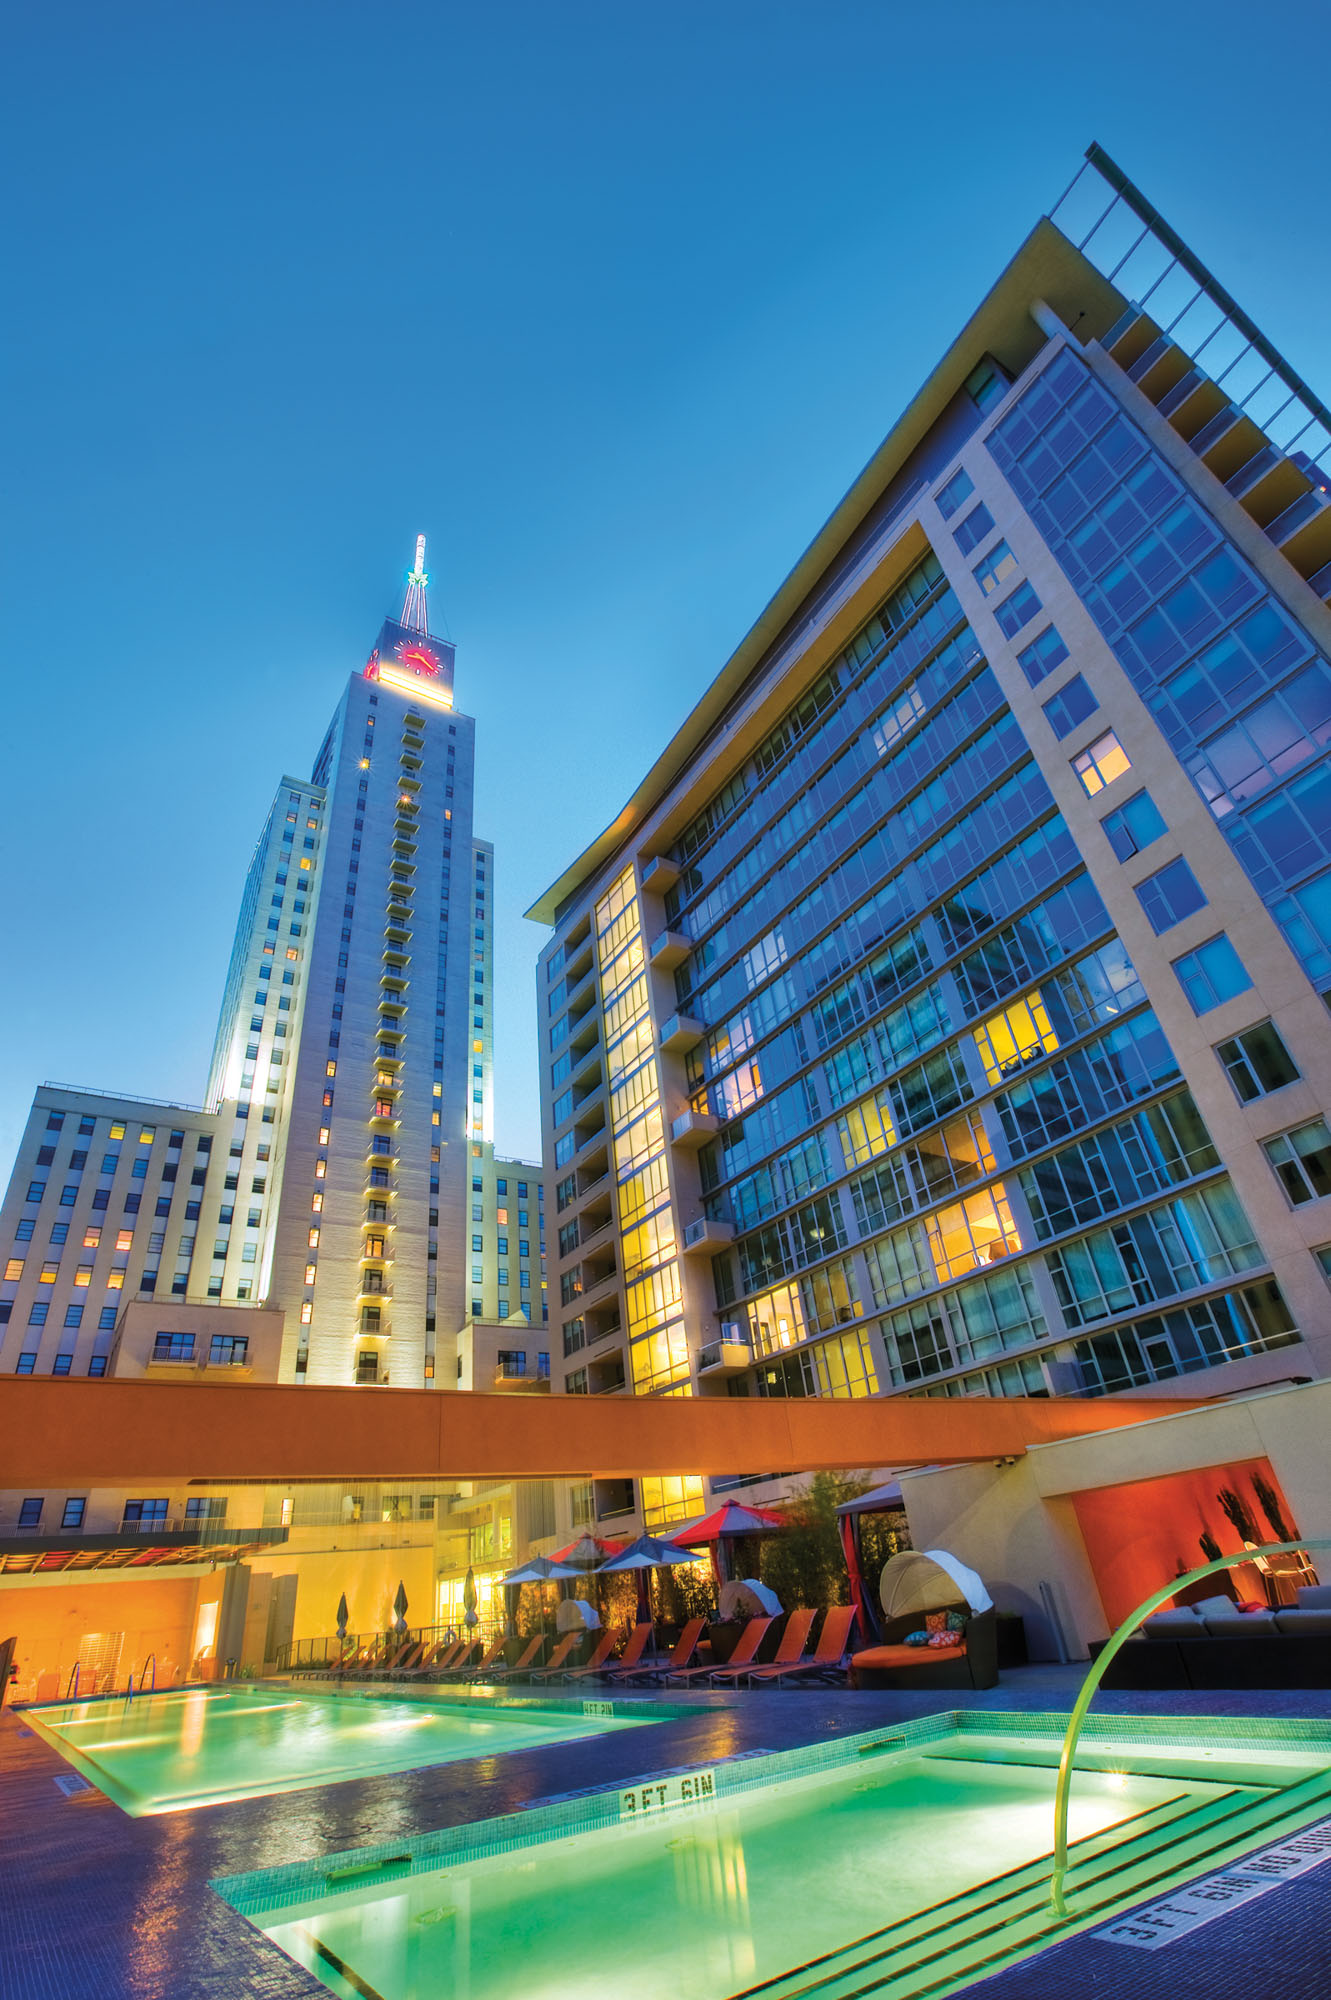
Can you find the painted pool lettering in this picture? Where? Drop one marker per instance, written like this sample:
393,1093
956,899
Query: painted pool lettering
1174,1916
693,1789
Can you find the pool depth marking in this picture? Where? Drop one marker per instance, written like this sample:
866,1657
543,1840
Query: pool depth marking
1160,1923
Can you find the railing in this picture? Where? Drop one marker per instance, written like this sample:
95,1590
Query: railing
121,1096
1063,1793
360,1649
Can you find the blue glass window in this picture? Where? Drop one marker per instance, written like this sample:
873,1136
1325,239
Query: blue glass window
1017,610
957,491
971,531
1212,973
1134,826
1043,655
1069,707
997,567
1170,895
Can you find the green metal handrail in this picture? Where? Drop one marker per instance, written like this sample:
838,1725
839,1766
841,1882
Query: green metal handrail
1062,1797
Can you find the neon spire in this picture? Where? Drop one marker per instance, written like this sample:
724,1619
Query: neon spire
413,606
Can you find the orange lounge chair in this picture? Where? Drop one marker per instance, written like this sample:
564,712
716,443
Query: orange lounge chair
525,1660
788,1653
685,1647
460,1672
568,1644
626,1664
827,1658
746,1647
447,1653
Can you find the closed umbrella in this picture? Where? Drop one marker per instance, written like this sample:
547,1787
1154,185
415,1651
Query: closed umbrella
343,1616
400,1607
469,1618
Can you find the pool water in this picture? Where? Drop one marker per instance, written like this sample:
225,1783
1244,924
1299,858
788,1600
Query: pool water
706,1900
202,1746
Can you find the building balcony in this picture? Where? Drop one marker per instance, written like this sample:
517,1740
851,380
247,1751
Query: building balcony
396,961
659,874
705,1236
692,1129
669,949
730,1355
522,1381
681,1033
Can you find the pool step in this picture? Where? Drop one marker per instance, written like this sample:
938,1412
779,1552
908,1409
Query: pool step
974,1933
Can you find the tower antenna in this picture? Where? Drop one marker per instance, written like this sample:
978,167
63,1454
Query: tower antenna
413,605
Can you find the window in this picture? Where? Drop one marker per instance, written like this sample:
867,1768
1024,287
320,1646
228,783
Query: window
985,386
173,1347
1302,1161
97,1365
74,1512
106,1319
36,1189
73,1316
1170,895
956,492
30,1512
1022,1033
1102,762
1211,974
145,1514
971,531
1068,708
37,1313
997,567
25,1364
14,1269
1016,610
1042,655
1257,1062
1134,826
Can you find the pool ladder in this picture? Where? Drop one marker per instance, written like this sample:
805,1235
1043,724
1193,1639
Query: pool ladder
151,1661
72,1684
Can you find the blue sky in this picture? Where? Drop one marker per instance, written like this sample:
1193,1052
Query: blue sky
612,302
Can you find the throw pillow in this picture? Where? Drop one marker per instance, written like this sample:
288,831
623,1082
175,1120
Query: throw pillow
956,1621
945,1639
916,1639
935,1621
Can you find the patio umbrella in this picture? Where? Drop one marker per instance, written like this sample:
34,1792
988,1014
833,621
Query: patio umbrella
719,1528
343,1616
470,1620
644,1555
400,1607
540,1569
588,1552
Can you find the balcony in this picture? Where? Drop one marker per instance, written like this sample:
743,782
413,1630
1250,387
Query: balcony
527,1380
681,1033
704,1237
692,1129
730,1355
669,949
659,874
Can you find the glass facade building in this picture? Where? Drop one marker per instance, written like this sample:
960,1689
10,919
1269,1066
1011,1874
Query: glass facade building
949,1019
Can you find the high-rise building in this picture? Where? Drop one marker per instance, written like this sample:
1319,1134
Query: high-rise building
944,1015
350,1099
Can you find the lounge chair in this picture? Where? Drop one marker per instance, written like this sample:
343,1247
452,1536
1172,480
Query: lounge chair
430,1657
600,1653
615,1670
460,1671
788,1653
526,1660
569,1642
408,1661
685,1647
828,1659
746,1648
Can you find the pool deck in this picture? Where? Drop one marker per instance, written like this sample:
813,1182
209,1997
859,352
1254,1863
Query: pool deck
95,1905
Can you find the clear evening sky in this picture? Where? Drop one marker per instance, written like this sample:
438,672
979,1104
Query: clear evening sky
612,301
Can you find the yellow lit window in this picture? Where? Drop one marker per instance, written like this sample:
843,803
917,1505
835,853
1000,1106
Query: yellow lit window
476,1152
434,1150
147,1135
83,1276
330,1069
124,1238
383,1107
314,1239
502,1216
323,1135
317,1203
50,1272
14,1268
92,1236
477,1049
970,1233
743,1087
292,952
312,824
374,1246
306,1311
866,1131
1016,1036
115,1281
1098,766
434,1118
320,1169
305,861
310,1274
117,1131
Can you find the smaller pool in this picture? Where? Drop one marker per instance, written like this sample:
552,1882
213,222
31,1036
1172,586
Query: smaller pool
203,1746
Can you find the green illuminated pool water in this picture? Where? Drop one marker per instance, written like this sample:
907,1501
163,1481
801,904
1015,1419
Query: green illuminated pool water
202,1746
707,1900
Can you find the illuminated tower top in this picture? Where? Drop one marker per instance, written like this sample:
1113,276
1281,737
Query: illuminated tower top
414,615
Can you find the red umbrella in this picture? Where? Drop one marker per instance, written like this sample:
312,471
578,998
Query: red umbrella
722,1525
588,1549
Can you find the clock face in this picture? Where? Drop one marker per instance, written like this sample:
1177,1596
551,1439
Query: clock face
418,659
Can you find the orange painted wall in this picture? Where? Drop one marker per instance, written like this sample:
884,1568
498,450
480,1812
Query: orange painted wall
50,1619
1137,1536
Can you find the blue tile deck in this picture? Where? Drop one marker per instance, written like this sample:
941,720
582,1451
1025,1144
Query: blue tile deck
95,1905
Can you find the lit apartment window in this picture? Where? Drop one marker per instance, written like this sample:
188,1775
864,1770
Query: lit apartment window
1102,762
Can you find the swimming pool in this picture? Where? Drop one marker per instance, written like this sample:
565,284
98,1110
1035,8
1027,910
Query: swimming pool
203,1746
896,1863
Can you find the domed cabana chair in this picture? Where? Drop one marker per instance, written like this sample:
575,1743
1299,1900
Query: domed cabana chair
927,1591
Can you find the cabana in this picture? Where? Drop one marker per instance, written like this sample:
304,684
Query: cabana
850,1520
937,1626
